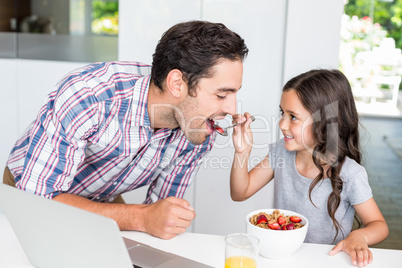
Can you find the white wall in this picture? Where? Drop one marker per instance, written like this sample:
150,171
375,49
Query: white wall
312,35
141,24
284,37
8,109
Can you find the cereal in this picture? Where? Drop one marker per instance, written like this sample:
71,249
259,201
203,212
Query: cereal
276,221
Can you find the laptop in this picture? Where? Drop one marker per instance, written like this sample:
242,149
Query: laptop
54,234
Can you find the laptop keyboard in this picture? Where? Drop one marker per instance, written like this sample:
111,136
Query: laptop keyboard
144,256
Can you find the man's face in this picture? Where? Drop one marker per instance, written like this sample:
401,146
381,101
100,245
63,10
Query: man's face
216,97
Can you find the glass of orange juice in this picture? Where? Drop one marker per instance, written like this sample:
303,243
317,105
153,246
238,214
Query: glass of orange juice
241,251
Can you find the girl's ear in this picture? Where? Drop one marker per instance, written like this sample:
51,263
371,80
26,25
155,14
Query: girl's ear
175,84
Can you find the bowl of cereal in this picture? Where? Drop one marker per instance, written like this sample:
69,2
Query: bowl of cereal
281,232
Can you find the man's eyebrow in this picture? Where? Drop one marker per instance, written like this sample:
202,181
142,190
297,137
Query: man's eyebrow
226,89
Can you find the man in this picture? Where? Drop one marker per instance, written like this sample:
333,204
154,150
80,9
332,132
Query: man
110,127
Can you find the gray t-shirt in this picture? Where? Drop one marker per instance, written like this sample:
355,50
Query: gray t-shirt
291,193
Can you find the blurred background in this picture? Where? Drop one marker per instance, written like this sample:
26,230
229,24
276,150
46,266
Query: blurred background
42,40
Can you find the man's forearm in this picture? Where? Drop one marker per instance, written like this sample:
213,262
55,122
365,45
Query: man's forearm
165,218
123,214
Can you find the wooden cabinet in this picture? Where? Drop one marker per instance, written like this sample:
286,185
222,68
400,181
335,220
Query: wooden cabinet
13,9
7,12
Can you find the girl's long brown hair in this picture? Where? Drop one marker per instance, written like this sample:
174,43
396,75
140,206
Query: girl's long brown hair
327,95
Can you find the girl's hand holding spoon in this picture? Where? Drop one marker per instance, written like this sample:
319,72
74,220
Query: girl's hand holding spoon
242,136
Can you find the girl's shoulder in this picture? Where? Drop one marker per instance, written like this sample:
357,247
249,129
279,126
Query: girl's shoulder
278,155
356,184
351,167
353,173
277,146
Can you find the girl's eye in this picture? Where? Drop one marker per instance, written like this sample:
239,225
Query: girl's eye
221,97
291,116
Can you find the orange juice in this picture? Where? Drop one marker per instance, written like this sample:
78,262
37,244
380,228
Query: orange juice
240,262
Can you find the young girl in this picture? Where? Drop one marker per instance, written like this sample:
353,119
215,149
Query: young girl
316,165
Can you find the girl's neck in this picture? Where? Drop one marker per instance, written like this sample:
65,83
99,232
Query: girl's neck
305,165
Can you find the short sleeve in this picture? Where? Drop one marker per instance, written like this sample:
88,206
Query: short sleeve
356,182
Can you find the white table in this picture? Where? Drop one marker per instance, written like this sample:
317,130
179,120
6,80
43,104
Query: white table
209,249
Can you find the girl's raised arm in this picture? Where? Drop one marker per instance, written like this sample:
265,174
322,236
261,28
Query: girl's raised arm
243,183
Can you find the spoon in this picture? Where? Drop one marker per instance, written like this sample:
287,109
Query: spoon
224,131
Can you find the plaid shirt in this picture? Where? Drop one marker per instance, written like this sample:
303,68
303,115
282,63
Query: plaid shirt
93,138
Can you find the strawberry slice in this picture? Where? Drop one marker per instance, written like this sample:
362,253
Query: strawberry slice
262,219
290,226
283,227
274,226
295,219
219,129
281,220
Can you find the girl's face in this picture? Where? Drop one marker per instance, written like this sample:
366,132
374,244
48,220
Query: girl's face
295,123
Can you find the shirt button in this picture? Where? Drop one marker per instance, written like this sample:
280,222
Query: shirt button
98,198
114,183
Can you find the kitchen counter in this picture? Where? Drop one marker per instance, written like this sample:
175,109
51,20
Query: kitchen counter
209,249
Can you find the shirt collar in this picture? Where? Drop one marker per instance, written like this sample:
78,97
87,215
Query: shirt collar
140,114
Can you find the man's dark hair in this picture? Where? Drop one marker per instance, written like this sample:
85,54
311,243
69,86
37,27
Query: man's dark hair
195,47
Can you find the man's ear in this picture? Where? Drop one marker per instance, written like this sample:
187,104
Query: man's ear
175,83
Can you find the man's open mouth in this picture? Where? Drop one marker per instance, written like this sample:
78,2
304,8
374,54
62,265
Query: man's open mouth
210,125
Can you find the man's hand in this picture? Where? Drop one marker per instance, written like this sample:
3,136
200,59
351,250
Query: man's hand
165,218
168,217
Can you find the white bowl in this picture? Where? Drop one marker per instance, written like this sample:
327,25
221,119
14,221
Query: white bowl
278,244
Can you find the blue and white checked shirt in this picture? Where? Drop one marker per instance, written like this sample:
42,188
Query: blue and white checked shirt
93,138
